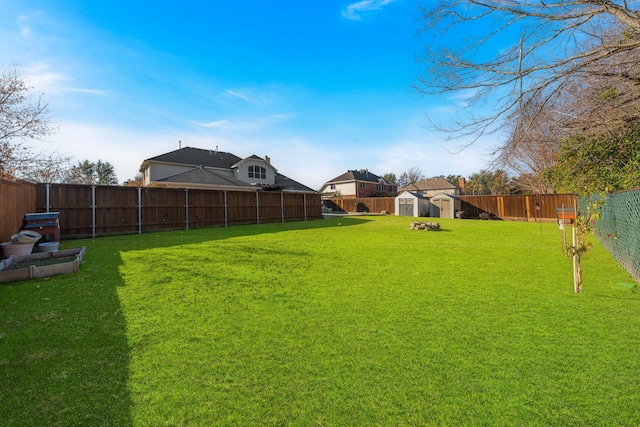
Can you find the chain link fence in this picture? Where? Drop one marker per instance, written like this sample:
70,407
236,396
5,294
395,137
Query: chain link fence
618,227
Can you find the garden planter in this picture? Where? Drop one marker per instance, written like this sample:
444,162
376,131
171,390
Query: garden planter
24,267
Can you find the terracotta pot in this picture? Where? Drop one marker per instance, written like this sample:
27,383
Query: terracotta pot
10,248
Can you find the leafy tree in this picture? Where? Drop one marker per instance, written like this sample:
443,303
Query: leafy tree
136,181
592,164
391,177
22,118
491,182
92,173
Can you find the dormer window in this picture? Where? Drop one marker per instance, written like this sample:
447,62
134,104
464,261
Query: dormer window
257,172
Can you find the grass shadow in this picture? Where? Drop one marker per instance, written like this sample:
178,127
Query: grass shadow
64,356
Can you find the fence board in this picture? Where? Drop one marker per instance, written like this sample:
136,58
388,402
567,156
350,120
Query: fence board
16,200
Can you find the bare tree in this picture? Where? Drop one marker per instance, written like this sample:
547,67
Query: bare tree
411,176
552,46
22,118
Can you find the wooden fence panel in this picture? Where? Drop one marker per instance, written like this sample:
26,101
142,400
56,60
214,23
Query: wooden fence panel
294,206
206,208
116,210
270,207
314,206
163,209
241,208
74,204
16,200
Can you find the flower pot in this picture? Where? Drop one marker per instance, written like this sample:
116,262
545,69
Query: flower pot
10,248
28,236
49,247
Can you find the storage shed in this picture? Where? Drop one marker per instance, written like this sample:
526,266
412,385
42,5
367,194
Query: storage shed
412,204
444,206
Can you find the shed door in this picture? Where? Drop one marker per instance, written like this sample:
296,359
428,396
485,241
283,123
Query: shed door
442,208
406,207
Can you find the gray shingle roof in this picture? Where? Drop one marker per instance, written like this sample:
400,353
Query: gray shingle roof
198,156
430,184
200,175
289,184
358,175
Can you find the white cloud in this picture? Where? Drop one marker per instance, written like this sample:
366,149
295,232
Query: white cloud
43,79
24,23
355,11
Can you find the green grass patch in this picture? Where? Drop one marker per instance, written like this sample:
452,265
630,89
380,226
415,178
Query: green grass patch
347,321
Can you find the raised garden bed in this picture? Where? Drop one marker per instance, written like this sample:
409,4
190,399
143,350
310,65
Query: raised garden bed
44,264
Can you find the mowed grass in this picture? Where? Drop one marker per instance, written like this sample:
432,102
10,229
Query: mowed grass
350,321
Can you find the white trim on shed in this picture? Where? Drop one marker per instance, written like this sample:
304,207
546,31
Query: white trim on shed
411,204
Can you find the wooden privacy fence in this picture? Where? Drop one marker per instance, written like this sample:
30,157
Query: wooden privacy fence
366,204
16,199
532,206
527,207
91,211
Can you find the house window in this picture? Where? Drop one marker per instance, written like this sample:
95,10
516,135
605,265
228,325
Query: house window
257,172
362,185
333,186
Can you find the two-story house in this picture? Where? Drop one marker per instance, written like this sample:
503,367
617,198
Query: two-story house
217,170
355,184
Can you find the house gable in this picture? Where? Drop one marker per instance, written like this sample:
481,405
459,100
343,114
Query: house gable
255,170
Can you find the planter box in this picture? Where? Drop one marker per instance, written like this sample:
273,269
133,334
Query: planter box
49,267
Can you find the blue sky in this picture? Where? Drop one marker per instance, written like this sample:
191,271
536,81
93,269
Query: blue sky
318,86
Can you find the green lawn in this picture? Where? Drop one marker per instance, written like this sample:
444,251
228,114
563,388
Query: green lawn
348,322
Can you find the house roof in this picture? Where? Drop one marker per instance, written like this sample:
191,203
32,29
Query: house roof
287,183
358,175
200,175
430,184
196,156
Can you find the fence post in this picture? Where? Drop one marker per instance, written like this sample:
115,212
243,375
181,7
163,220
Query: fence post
93,211
304,203
186,207
257,208
139,210
282,205
47,193
226,224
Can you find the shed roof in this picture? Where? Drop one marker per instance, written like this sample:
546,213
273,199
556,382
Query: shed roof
430,184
